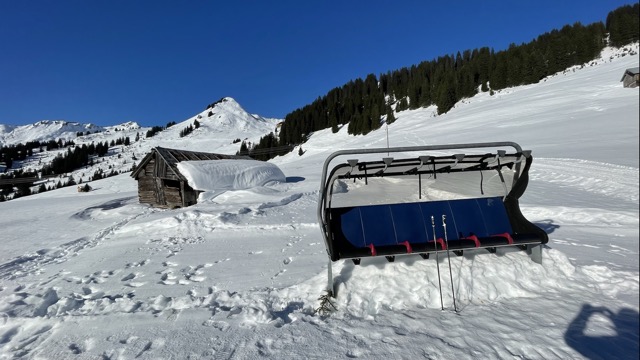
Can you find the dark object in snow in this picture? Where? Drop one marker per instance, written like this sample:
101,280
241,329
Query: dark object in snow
84,188
477,193
326,305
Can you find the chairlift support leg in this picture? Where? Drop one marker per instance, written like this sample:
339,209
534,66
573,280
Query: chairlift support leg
330,288
535,251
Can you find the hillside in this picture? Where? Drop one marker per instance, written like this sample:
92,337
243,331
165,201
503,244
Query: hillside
220,129
238,275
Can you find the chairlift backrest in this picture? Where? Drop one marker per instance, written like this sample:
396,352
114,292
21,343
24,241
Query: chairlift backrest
458,185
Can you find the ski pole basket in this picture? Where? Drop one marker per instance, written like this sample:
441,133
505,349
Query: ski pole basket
395,201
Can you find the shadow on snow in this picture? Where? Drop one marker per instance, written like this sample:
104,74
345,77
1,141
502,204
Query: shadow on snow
622,343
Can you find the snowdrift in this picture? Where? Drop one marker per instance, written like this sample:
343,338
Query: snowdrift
222,175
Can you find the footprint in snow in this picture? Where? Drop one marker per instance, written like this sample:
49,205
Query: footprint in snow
197,278
129,277
138,263
168,278
75,349
220,325
278,274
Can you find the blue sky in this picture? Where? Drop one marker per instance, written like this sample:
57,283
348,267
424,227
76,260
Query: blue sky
107,62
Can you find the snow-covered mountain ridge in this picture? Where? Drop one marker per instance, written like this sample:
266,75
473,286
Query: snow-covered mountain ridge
224,116
219,129
43,131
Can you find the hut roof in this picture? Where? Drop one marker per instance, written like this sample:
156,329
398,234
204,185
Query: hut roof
173,156
630,71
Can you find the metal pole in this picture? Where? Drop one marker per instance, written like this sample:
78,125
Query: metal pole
446,241
435,243
330,280
387,129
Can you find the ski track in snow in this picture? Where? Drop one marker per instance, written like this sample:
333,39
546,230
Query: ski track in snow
29,264
614,181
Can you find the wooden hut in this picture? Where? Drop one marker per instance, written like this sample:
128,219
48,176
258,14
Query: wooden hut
631,78
161,184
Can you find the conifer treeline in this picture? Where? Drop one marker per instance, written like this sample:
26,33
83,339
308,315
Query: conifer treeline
79,156
365,104
623,24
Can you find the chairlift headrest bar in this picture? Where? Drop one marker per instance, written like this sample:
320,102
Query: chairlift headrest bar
411,165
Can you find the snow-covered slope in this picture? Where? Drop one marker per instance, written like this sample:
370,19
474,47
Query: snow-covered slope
98,275
220,128
44,130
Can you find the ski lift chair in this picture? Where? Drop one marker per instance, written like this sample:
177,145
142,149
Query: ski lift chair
429,199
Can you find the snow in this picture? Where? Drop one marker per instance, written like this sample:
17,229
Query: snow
98,275
216,175
44,131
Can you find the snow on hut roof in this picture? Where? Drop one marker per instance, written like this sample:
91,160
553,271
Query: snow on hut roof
223,174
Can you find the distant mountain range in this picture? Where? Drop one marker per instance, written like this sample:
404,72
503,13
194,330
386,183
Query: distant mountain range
220,128
45,130
225,114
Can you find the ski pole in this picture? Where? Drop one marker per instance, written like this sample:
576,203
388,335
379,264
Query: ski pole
435,243
446,241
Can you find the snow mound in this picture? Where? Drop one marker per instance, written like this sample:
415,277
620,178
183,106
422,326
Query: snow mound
214,175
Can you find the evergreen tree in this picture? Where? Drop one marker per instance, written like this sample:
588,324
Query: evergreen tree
390,117
446,96
243,149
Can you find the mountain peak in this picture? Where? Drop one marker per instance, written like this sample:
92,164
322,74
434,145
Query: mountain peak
227,113
223,102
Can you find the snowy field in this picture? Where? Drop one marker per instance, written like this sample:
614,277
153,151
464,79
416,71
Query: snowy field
99,276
